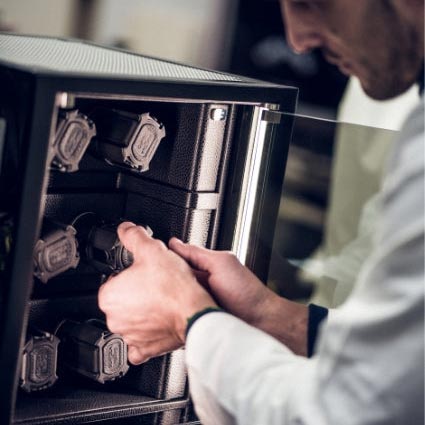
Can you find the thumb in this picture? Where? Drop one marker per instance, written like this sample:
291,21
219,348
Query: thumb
199,258
133,237
135,356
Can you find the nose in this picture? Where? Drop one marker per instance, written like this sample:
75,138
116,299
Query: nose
302,26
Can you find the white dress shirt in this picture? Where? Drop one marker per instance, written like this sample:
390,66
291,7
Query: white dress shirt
369,364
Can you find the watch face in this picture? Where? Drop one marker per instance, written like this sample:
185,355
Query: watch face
73,136
115,357
55,252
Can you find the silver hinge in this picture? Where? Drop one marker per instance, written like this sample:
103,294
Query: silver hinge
272,117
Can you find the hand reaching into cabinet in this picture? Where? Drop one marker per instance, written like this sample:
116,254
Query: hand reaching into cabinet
239,292
150,302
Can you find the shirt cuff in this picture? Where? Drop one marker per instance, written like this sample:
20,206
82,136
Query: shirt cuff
316,315
199,314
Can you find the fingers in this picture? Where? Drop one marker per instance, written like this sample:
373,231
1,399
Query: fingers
202,278
132,236
199,258
141,354
136,356
107,293
136,238
103,299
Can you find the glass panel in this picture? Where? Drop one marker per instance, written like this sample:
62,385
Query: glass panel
329,209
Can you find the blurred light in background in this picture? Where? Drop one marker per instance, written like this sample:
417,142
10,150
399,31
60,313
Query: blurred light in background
197,32
243,37
46,17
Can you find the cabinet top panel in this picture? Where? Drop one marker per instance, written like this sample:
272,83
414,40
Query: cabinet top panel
40,54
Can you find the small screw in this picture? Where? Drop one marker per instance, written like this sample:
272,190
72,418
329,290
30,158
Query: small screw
218,114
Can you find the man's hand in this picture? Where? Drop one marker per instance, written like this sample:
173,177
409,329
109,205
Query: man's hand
237,290
149,303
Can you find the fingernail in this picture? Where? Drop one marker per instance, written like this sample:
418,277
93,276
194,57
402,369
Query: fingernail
126,225
177,240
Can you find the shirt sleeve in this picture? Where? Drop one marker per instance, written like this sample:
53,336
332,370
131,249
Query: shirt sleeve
368,368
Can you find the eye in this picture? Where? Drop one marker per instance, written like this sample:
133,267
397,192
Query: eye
302,5
308,5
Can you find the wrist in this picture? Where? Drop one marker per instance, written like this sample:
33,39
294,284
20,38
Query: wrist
285,320
201,304
267,302
191,320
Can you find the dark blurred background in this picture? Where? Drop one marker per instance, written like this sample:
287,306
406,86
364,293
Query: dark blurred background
259,49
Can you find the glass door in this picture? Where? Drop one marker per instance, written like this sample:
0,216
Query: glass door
329,209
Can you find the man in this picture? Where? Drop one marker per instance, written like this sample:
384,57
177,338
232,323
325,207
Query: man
368,367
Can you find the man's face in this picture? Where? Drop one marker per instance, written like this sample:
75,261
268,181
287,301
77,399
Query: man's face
370,39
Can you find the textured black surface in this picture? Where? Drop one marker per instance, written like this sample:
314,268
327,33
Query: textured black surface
64,207
76,56
82,281
189,157
93,174
47,313
171,195
190,225
162,377
72,404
